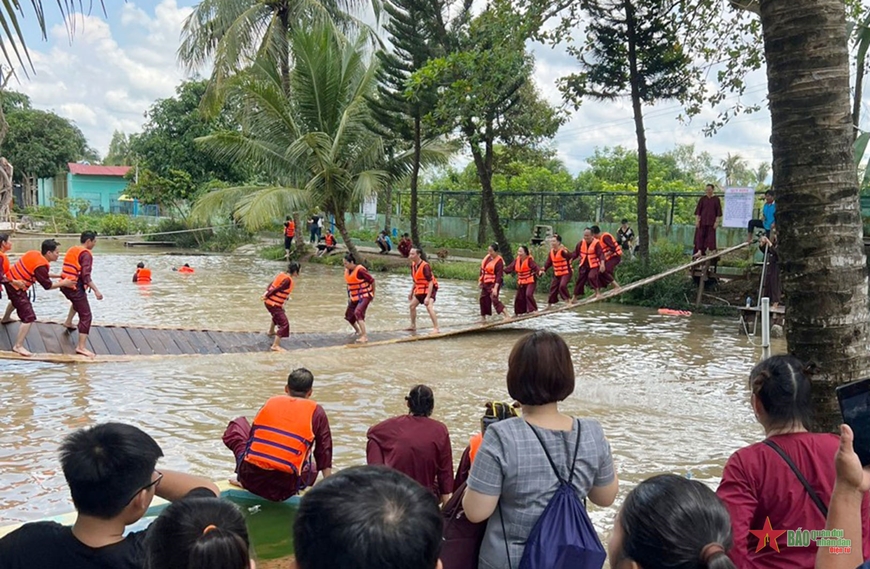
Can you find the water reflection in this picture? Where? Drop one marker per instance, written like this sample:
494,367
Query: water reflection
670,392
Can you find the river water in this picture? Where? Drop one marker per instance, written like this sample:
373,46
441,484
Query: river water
670,392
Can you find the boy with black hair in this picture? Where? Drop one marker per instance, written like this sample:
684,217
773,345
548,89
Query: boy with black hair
273,456
110,470
77,265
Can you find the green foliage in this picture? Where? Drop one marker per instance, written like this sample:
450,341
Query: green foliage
169,191
11,101
118,224
39,144
670,292
179,234
226,239
120,150
167,144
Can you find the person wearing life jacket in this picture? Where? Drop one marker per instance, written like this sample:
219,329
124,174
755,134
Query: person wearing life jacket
612,257
526,270
326,244
5,265
495,411
289,234
423,289
274,298
560,259
490,283
185,269
273,454
360,293
142,275
77,265
32,267
591,255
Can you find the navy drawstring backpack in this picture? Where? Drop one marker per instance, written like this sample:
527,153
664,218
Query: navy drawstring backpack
563,537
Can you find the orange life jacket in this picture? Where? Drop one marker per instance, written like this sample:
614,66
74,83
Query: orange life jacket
330,241
4,263
278,298
561,265
356,287
610,252
25,268
186,270
421,285
290,229
143,275
72,268
474,446
282,434
487,269
588,251
525,275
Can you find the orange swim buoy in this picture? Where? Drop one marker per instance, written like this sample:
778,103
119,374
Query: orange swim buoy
672,312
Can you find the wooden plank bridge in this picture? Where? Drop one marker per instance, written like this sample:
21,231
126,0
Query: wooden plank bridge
50,341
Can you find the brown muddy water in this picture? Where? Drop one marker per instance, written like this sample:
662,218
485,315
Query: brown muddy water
670,392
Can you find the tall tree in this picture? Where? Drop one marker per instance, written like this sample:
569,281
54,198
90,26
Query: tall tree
120,151
312,146
632,50
416,33
230,34
485,93
818,214
736,169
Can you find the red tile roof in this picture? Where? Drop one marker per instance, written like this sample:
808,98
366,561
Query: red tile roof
95,170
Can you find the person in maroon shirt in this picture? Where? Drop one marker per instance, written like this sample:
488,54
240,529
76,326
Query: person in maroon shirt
404,245
590,264
77,265
707,214
527,271
560,259
274,299
278,485
415,444
30,269
759,485
491,281
360,293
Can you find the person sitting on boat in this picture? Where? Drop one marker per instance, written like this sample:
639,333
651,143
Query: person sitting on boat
110,471
495,411
415,444
33,267
274,298
367,517
142,274
760,484
273,456
326,244
185,269
199,531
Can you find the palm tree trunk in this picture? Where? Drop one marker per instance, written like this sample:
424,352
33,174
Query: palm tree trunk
388,214
284,54
642,159
345,235
818,216
415,172
483,163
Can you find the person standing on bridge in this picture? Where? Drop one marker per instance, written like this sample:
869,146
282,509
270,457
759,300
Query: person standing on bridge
591,255
77,265
490,282
424,289
708,212
5,265
274,298
360,293
32,267
560,259
526,269
612,257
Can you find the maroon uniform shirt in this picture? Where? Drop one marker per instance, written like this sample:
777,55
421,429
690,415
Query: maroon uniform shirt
708,209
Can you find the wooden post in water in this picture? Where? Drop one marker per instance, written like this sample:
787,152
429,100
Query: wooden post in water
702,281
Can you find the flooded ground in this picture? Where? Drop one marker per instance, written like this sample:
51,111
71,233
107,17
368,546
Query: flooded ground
670,392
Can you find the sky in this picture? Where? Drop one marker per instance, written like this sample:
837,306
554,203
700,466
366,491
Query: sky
118,63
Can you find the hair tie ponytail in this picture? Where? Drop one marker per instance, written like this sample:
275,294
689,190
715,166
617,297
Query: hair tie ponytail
209,528
710,551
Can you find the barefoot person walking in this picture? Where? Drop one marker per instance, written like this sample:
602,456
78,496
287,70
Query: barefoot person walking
490,282
360,293
275,297
77,265
424,289
32,267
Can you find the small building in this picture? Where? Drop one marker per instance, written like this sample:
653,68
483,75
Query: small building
101,186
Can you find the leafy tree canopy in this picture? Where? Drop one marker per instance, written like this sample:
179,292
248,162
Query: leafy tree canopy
40,143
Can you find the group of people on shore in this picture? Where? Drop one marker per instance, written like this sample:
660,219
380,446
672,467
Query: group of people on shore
386,514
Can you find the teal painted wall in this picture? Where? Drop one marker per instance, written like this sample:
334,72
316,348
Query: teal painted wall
100,191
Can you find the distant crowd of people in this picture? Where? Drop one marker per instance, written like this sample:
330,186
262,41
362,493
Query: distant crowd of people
519,490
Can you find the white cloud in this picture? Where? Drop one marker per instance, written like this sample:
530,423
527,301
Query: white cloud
107,77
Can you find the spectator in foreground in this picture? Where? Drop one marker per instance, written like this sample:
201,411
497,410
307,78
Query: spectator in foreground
512,478
494,411
761,482
368,517
670,522
199,532
110,470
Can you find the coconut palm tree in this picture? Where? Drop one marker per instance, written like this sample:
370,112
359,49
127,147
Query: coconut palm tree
313,146
230,34
818,215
